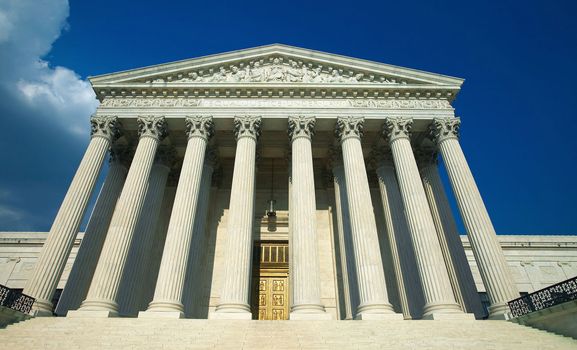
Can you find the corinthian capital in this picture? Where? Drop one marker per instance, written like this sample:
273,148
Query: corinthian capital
397,128
247,126
301,126
105,126
442,129
349,126
152,126
199,126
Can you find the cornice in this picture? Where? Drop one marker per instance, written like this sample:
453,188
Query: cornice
268,51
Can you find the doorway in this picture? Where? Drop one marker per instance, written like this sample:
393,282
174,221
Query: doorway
270,282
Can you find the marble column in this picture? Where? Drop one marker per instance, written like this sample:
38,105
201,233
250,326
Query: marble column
87,257
103,292
305,271
493,267
235,293
138,263
439,299
167,301
55,252
456,261
406,274
159,239
193,291
288,157
373,298
344,235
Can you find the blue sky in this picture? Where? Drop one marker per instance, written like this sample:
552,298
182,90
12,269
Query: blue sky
518,104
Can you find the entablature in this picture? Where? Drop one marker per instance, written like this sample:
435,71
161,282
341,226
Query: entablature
276,111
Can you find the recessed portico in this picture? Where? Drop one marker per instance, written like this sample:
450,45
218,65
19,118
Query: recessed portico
330,140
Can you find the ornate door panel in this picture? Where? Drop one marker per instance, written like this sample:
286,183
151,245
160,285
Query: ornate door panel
272,298
270,282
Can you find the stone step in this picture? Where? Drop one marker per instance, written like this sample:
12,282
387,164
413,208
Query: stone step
132,333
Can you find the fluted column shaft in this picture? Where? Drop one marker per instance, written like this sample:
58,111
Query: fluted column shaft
456,261
159,240
491,261
138,263
398,233
344,236
373,296
58,245
192,289
305,270
235,294
87,257
173,266
437,291
108,275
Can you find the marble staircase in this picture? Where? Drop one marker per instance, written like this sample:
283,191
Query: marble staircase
133,333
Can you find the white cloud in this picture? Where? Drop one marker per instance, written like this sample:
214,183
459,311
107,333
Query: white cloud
10,214
35,88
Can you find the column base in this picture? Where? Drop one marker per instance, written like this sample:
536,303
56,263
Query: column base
231,311
165,306
161,314
461,316
229,315
499,312
368,316
382,311
41,308
297,316
442,308
91,314
41,313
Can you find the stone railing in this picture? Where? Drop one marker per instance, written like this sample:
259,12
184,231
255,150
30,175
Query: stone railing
553,295
15,300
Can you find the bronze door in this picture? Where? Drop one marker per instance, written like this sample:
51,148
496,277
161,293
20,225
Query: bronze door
270,282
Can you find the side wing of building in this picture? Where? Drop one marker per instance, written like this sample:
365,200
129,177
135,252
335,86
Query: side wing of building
535,261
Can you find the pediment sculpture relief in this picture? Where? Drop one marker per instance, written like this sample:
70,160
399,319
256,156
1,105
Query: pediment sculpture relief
277,69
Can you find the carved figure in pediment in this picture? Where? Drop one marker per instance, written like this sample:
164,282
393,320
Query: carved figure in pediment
276,72
245,72
237,74
232,76
257,73
306,75
220,76
195,77
356,78
336,77
316,75
294,74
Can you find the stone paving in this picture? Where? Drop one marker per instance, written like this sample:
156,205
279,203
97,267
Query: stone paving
125,333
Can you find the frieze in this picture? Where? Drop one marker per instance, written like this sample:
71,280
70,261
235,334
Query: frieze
277,70
150,102
275,103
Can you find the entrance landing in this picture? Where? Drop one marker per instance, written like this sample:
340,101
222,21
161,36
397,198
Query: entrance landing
138,333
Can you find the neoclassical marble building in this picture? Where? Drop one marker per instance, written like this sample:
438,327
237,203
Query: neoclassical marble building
273,183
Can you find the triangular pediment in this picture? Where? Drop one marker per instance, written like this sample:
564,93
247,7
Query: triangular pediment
275,65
